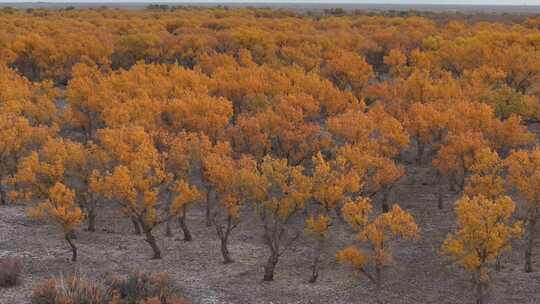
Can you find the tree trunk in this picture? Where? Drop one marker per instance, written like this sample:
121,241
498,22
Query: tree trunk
420,151
339,214
3,196
225,250
453,183
209,196
168,229
91,219
440,199
378,283
72,245
223,235
316,261
151,240
72,235
136,226
270,266
462,183
480,293
184,227
440,194
386,194
531,233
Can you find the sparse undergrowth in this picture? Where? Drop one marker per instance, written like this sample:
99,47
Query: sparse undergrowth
10,271
136,288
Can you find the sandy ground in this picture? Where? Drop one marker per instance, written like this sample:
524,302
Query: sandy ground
420,274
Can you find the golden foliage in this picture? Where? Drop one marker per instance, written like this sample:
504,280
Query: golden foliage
524,174
60,207
484,233
376,234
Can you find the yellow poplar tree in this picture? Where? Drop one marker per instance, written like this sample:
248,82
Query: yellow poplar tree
64,161
484,232
281,191
60,208
137,179
330,186
524,175
375,235
233,180
27,112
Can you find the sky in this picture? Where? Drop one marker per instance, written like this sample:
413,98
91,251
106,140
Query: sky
478,2
447,2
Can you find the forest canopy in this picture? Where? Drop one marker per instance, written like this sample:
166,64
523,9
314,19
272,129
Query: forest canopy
281,116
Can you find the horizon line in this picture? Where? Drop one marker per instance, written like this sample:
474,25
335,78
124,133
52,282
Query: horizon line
269,2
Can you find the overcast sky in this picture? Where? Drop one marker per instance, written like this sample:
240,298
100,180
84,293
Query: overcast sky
486,2
476,2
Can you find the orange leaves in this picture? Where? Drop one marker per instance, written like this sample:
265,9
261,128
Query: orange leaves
377,233
352,126
397,224
85,100
376,132
510,134
357,213
457,156
131,147
134,47
138,172
426,122
287,188
60,207
376,172
486,176
185,195
222,172
318,225
524,175
389,134
58,160
330,184
288,130
42,57
199,114
352,255
348,71
20,97
265,107
396,60
17,138
119,185
147,95
186,151
484,232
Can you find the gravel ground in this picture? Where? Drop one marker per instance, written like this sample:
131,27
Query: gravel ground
420,274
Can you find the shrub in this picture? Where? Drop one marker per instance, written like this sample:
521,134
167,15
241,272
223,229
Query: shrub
138,287
46,293
170,301
73,290
10,271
